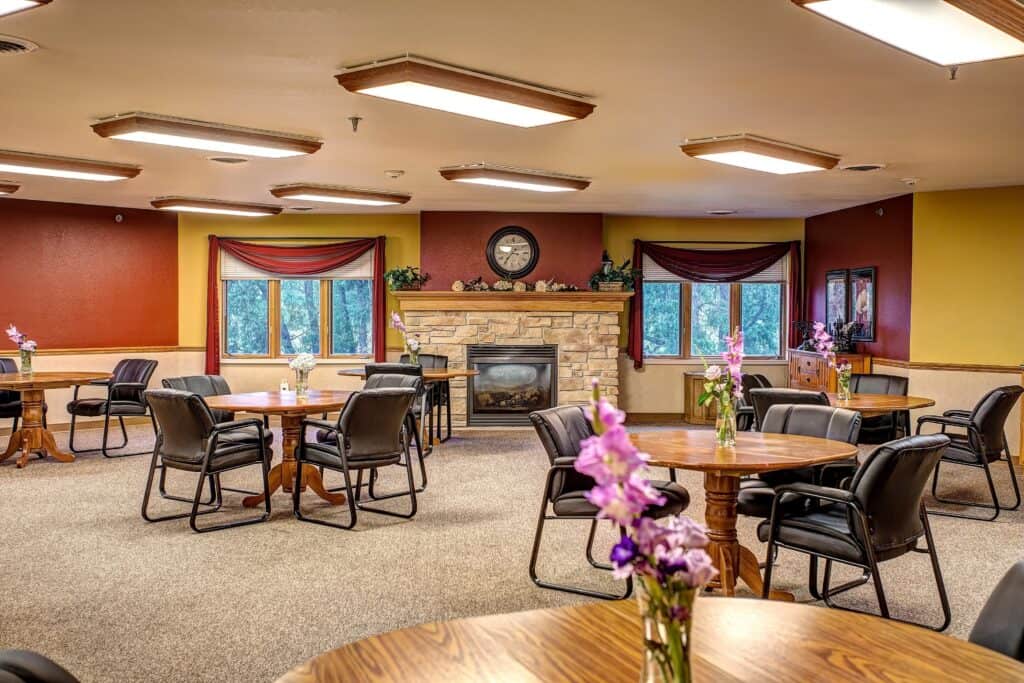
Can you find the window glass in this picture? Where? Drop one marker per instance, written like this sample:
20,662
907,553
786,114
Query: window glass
300,317
247,317
709,318
351,317
662,322
761,318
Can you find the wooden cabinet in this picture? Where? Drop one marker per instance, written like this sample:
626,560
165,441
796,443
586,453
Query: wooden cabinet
693,387
809,370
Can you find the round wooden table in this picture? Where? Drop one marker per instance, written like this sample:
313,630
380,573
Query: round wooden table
33,436
733,640
870,405
292,410
695,449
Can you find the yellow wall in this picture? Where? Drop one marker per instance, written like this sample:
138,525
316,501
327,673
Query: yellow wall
968,277
402,249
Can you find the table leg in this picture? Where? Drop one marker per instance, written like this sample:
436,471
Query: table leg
33,436
732,560
282,475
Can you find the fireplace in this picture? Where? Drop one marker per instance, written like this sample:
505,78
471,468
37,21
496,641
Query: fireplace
513,382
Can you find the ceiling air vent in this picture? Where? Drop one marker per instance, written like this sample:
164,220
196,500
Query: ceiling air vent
862,168
9,45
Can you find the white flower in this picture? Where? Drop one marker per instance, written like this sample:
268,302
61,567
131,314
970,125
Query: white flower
540,286
519,287
413,343
502,286
713,372
303,361
458,286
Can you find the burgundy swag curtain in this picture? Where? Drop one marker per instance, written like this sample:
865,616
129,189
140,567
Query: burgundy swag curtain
699,265
304,260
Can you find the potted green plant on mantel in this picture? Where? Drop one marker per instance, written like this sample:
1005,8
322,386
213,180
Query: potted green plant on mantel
612,278
405,279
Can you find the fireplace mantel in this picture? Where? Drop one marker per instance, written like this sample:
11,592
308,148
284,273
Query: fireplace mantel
608,302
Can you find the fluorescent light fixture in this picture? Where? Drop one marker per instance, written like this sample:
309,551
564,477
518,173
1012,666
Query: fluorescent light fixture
26,163
759,154
8,188
944,32
425,83
514,178
333,194
214,206
213,137
15,6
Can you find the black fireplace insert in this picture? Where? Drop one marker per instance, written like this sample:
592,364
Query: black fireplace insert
513,382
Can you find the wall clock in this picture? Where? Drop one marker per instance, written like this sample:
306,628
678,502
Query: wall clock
512,252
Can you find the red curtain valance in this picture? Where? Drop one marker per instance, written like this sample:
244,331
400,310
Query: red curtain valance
728,265
300,260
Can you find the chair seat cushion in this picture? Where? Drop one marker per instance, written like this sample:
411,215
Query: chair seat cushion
225,457
327,454
823,530
959,450
246,435
756,497
97,407
575,504
13,409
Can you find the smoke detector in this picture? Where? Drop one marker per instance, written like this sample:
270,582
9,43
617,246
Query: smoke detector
228,160
11,45
394,174
862,168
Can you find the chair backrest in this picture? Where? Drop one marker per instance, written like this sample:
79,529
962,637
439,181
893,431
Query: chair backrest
393,369
134,371
372,420
990,415
889,486
428,360
388,381
893,385
560,430
204,385
763,399
1000,626
824,422
25,666
184,422
8,366
753,381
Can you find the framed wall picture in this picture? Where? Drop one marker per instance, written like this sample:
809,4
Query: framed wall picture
837,297
862,302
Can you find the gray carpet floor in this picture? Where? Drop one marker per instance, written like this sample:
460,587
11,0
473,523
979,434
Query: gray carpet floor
87,582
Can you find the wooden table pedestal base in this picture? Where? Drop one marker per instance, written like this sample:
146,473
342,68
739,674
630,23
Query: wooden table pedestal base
282,475
733,561
33,437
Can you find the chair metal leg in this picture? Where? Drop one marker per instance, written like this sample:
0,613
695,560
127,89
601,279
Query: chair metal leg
300,457
410,428
995,506
229,525
812,578
933,555
215,506
447,391
590,549
411,491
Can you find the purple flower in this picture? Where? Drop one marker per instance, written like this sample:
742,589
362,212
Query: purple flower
28,345
396,322
623,552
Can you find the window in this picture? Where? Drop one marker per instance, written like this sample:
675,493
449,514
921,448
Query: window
274,316
685,319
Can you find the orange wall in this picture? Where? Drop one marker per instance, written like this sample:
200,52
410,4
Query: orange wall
73,277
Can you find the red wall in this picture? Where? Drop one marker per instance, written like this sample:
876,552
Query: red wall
859,237
453,244
73,277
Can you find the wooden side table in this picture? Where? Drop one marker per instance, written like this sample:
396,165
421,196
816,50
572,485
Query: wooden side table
693,387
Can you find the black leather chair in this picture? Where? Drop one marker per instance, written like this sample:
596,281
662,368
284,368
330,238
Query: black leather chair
878,518
370,434
10,401
982,443
757,494
189,439
882,428
763,399
125,397
745,411
441,392
422,408
560,430
24,666
1000,626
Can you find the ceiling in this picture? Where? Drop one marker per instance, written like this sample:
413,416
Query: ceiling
659,71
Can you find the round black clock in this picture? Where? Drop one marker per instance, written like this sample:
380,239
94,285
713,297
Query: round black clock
512,252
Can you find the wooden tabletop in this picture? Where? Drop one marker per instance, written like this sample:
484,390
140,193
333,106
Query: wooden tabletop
429,374
735,640
880,403
280,402
695,449
15,381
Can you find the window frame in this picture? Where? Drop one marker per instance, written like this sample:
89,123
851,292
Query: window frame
274,323
735,317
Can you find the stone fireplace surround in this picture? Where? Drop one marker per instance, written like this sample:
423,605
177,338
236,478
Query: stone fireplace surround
584,325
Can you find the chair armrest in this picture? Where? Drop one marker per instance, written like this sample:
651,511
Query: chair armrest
100,382
957,413
813,491
322,424
565,463
126,385
841,470
944,420
237,424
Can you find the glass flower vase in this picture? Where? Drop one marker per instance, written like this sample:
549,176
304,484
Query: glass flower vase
302,383
667,613
414,356
725,424
843,383
26,362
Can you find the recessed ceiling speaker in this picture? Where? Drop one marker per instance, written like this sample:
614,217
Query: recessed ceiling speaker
862,168
11,45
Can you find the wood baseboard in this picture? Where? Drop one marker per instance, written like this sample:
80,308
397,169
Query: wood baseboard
952,367
654,418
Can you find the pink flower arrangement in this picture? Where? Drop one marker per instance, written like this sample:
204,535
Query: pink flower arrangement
396,322
20,339
724,385
824,344
667,551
